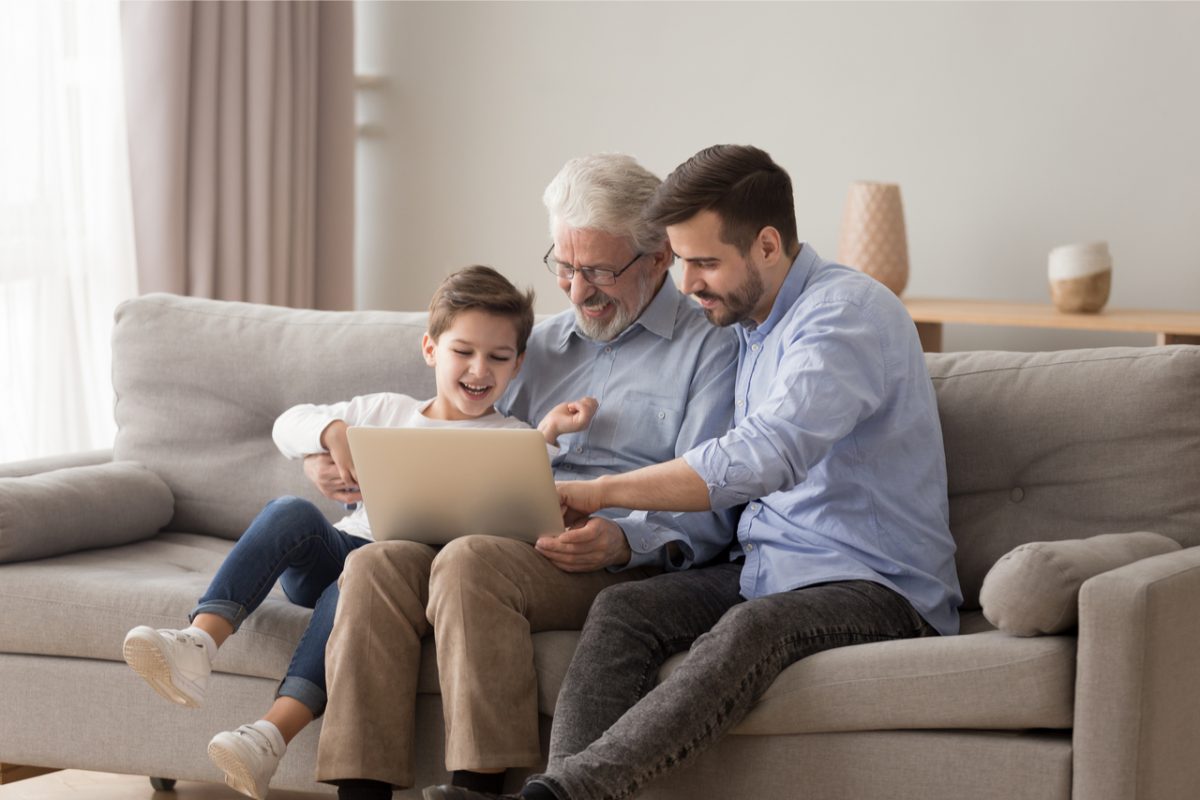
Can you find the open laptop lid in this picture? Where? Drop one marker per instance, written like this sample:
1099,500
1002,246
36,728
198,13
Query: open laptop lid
432,485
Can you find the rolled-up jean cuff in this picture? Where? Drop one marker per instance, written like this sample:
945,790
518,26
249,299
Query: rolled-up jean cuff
231,612
305,691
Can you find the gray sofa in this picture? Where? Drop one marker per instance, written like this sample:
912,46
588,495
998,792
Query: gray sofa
1040,447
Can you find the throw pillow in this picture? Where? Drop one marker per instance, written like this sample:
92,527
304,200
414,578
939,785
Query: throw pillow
80,508
1034,588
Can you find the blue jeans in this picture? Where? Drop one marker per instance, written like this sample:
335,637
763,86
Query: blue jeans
615,730
290,541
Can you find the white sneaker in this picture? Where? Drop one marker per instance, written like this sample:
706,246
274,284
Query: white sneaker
174,663
249,757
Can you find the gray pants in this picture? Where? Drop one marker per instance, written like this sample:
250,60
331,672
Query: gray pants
614,730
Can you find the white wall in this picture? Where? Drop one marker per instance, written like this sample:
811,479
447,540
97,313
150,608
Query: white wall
1011,128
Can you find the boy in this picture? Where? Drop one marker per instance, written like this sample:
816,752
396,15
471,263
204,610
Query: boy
478,327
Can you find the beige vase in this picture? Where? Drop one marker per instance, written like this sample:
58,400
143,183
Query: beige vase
1080,277
873,238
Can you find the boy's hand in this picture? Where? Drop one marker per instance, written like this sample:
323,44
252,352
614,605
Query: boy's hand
320,469
597,544
568,417
333,439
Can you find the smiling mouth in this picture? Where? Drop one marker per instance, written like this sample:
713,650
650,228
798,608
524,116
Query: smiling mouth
597,309
474,391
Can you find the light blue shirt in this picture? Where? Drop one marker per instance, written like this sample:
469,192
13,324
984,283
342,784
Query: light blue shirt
665,384
836,446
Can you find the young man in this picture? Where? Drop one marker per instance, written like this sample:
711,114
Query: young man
664,379
836,451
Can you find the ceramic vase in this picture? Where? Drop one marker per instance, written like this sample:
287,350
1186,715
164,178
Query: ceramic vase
1080,277
873,238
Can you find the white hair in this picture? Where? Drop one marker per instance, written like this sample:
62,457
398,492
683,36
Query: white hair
605,192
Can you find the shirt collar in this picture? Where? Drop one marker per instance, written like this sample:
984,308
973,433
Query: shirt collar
799,273
658,317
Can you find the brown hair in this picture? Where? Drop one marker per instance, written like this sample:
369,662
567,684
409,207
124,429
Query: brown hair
746,189
480,288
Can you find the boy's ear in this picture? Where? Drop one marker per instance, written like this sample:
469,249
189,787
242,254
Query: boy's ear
520,361
429,349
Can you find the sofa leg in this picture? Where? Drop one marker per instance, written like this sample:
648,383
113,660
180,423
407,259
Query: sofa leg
11,773
162,784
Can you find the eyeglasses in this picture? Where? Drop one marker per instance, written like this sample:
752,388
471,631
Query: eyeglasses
593,275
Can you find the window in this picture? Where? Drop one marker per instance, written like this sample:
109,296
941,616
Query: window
66,224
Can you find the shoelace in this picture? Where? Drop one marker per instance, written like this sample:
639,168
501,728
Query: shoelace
184,638
258,740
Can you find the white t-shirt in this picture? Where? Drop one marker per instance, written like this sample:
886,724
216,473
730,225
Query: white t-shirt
297,432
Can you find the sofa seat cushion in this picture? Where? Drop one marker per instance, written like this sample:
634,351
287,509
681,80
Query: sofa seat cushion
83,604
979,679
987,680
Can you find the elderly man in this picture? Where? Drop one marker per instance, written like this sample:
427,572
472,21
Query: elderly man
836,452
664,380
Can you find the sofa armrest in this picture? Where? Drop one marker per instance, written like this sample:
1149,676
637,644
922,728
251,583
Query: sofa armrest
1137,711
34,466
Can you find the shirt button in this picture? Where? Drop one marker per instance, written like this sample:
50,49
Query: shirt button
1017,494
754,507
749,547
578,448
741,403
608,349
755,347
662,415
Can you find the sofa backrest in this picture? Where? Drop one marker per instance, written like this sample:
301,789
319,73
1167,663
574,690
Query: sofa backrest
199,384
1039,446
1066,445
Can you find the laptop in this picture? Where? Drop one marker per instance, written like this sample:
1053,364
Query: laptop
432,485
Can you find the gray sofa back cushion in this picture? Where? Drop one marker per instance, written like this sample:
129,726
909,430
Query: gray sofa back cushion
1067,445
199,384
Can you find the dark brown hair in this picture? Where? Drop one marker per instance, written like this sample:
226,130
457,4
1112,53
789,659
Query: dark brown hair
746,189
481,288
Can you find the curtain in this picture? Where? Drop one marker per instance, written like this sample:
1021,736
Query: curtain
241,144
66,234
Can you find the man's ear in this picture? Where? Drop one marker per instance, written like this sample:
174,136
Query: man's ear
429,349
769,244
664,257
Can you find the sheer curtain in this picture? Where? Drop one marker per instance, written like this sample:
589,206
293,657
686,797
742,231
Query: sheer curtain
66,228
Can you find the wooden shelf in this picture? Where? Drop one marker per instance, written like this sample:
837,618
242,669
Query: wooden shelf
930,314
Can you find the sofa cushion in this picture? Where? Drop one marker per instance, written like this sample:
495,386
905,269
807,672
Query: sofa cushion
199,384
81,606
1067,445
1034,589
979,679
77,508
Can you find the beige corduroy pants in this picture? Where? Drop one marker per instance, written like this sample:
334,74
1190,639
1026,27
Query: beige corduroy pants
482,597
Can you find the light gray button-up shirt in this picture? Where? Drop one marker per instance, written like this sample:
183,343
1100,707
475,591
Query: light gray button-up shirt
665,384
836,446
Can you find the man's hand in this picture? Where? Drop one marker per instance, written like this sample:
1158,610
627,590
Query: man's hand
578,500
320,469
568,418
599,543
